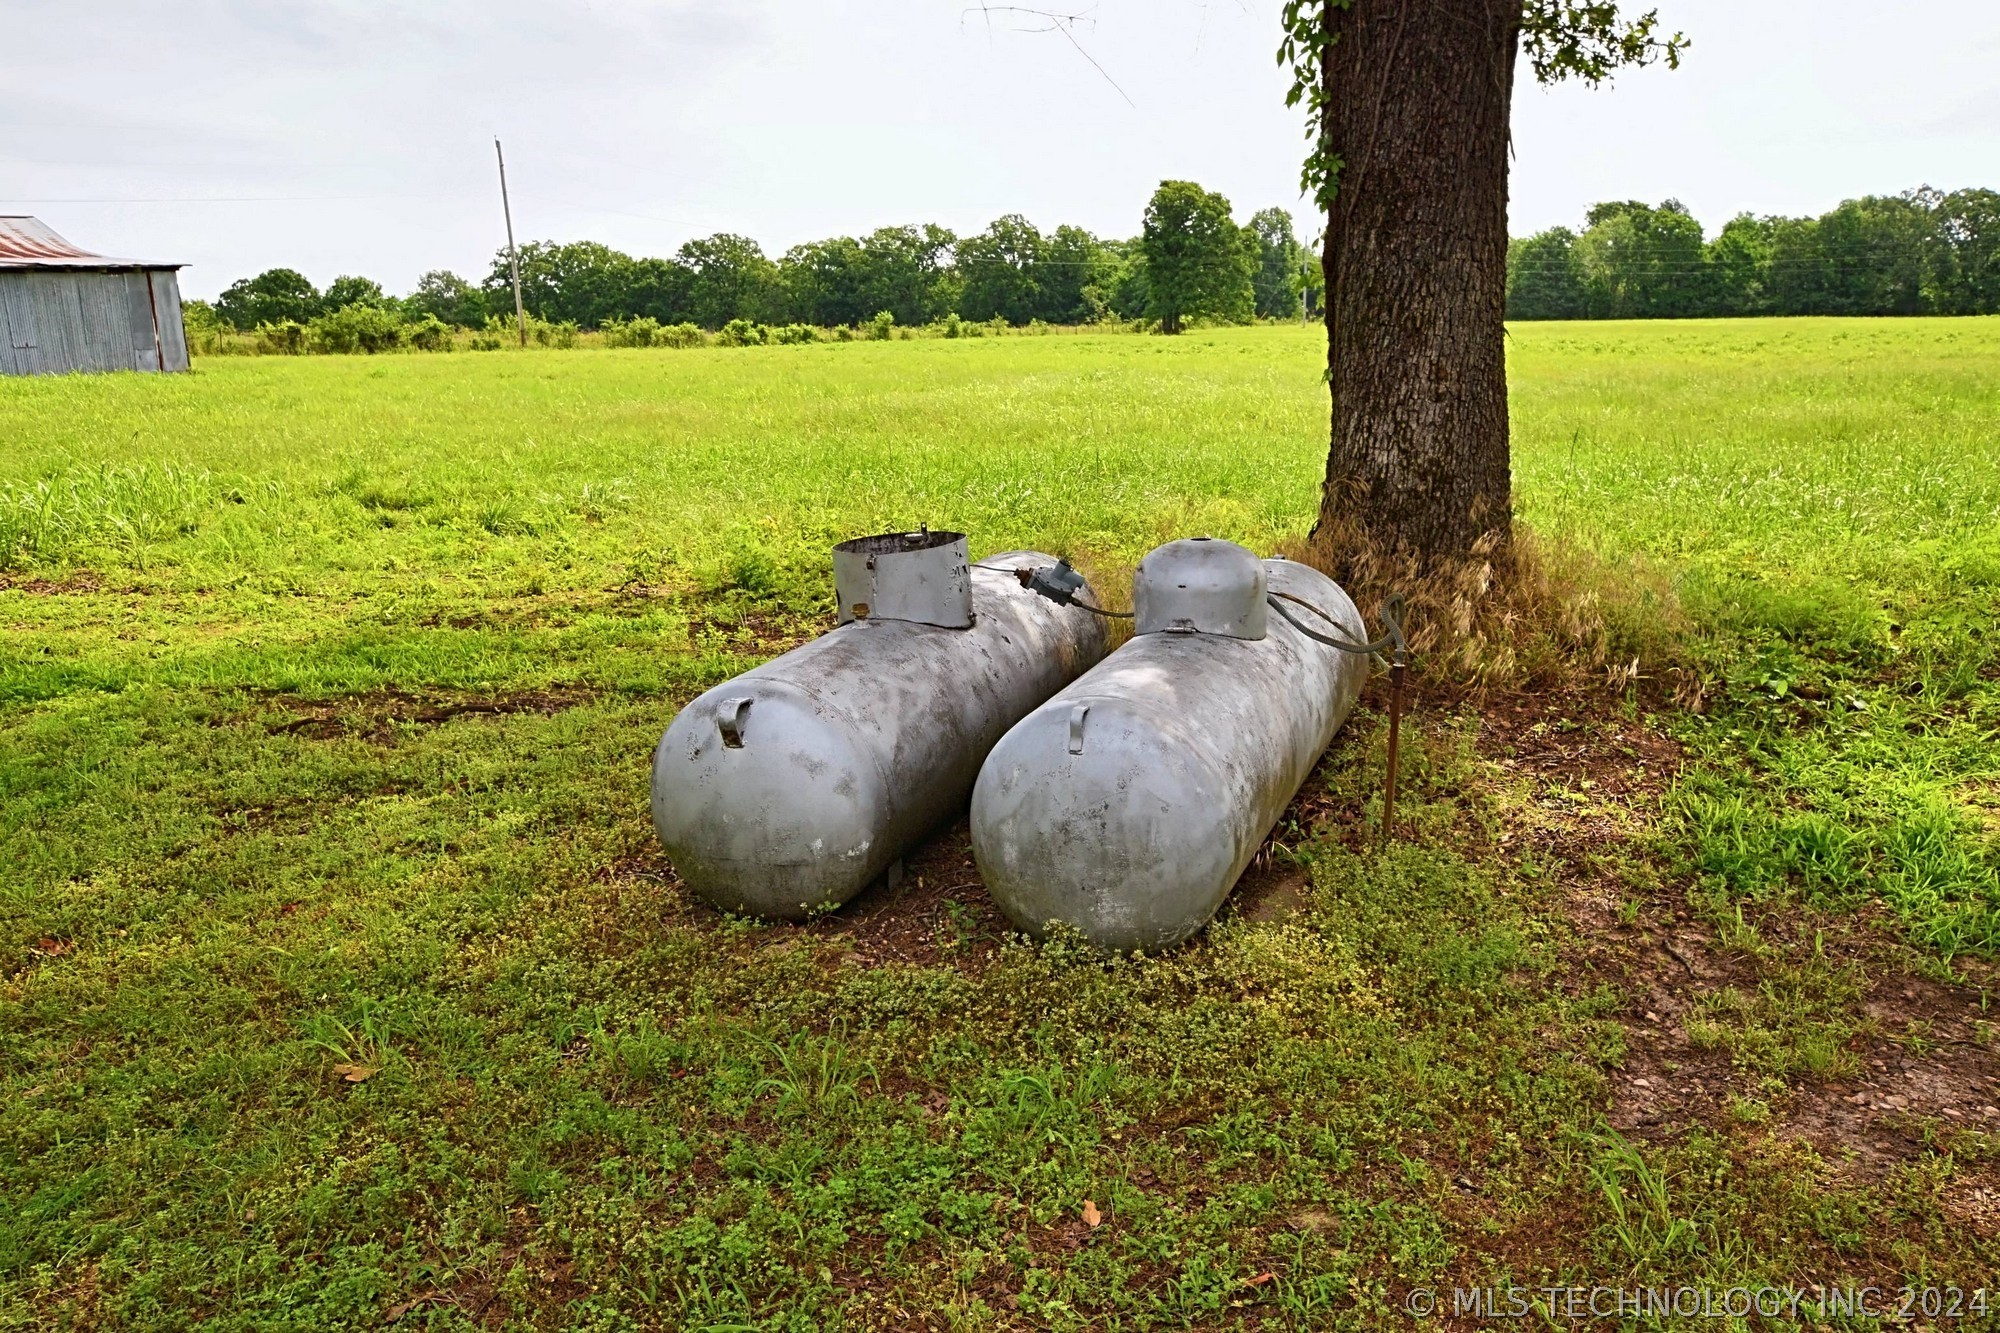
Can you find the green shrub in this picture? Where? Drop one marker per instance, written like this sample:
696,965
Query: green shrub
793,333
284,337
740,333
883,327
355,328
561,335
204,327
644,331
540,332
428,334
954,327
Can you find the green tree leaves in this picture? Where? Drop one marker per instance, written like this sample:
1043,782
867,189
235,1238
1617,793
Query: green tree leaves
731,280
1285,272
906,271
1198,261
918,274
581,282
910,272
1923,252
1013,272
448,298
1003,269
1544,279
1590,40
1965,253
271,297
348,290
1639,262
1866,257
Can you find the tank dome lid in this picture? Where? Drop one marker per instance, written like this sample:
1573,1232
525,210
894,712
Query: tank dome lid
1200,585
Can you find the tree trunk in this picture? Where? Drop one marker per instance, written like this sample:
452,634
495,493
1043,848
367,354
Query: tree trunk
1418,491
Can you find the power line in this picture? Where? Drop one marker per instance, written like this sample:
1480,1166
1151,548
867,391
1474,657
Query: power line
224,199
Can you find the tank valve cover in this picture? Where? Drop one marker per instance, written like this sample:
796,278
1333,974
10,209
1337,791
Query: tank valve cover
1200,586
923,577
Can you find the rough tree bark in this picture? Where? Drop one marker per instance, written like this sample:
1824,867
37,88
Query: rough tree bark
1417,104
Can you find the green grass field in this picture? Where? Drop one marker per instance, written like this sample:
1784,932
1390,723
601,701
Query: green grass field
327,692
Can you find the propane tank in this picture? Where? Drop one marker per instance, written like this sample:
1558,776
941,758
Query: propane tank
791,787
1128,805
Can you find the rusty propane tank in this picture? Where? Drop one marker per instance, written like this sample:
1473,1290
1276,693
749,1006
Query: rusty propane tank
1128,804
789,788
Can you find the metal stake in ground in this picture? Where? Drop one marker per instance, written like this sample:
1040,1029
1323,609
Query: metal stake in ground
1396,673
1392,637
513,255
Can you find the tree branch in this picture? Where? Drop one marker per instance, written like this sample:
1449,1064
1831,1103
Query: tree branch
1053,22
1563,39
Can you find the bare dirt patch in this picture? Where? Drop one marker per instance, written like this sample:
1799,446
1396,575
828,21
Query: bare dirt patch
381,715
550,1282
1927,1075
1918,1071
1588,741
753,633
934,915
1919,1064
264,815
1593,777
78,581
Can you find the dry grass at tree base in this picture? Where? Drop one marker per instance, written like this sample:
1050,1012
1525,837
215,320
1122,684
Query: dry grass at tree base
342,981
1528,614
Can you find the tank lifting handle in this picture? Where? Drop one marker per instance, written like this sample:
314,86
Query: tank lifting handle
730,722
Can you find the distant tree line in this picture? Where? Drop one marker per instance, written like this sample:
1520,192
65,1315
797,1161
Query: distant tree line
1921,253
1191,260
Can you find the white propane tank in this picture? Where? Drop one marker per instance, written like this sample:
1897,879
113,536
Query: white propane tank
1128,805
791,787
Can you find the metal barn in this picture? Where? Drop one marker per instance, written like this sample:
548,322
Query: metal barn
64,309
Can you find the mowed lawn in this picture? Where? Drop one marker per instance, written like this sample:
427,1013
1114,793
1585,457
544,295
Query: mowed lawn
342,983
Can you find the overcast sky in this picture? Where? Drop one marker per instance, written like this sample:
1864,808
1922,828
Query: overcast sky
355,136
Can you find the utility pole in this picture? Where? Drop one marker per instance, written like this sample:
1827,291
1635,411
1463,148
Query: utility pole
513,255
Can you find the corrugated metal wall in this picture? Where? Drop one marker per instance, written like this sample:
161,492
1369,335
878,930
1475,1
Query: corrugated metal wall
18,347
85,319
167,308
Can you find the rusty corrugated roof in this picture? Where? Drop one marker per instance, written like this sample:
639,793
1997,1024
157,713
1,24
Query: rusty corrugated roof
27,242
